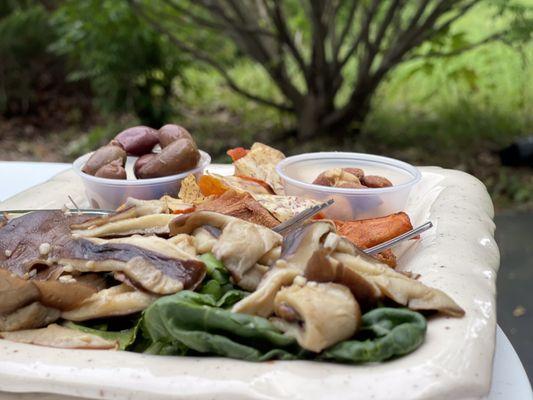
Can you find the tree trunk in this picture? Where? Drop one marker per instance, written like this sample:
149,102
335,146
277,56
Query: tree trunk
319,117
311,114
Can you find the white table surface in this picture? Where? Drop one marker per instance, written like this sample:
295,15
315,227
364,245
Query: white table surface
509,379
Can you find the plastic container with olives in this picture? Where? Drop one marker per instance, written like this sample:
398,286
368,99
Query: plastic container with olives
300,175
140,162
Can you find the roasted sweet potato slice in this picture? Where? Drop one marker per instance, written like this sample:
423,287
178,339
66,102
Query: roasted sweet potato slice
367,233
240,205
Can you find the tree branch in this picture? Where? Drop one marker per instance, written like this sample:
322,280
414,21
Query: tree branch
363,33
345,30
278,18
445,54
214,25
393,8
459,14
418,13
409,39
206,59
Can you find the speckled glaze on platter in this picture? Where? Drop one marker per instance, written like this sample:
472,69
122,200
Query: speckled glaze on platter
458,256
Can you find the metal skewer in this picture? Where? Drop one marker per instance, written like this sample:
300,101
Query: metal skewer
407,235
89,211
299,218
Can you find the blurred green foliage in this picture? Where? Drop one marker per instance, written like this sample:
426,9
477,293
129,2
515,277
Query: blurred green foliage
452,111
130,66
25,32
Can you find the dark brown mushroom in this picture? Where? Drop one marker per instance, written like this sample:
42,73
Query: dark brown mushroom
300,244
34,315
324,268
15,292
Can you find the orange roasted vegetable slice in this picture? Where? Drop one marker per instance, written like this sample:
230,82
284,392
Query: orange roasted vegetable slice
211,186
259,182
240,205
366,233
237,153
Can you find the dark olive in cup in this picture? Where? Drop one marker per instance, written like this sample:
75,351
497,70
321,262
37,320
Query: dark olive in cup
171,132
141,162
113,170
104,155
138,140
179,156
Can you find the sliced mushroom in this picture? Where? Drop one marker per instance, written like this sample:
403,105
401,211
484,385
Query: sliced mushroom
126,213
63,296
300,244
240,245
34,315
153,271
187,223
204,240
320,314
324,268
151,224
251,279
156,244
164,205
261,302
24,239
394,285
60,337
15,292
129,214
118,300
297,249
185,243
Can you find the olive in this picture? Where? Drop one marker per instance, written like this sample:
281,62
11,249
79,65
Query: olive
179,156
138,140
113,170
374,181
170,133
141,162
104,155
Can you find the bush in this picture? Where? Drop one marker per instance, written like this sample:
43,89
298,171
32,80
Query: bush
25,66
130,66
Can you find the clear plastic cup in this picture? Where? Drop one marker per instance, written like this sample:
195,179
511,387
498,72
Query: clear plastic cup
299,171
109,194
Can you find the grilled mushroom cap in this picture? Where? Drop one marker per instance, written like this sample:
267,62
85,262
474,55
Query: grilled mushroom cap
327,312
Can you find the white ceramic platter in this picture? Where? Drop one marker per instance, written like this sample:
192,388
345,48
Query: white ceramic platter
458,256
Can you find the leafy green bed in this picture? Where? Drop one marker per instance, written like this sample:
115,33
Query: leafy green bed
200,323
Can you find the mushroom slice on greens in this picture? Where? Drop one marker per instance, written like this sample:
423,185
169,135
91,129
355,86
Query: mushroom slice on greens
60,337
318,315
117,300
240,245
